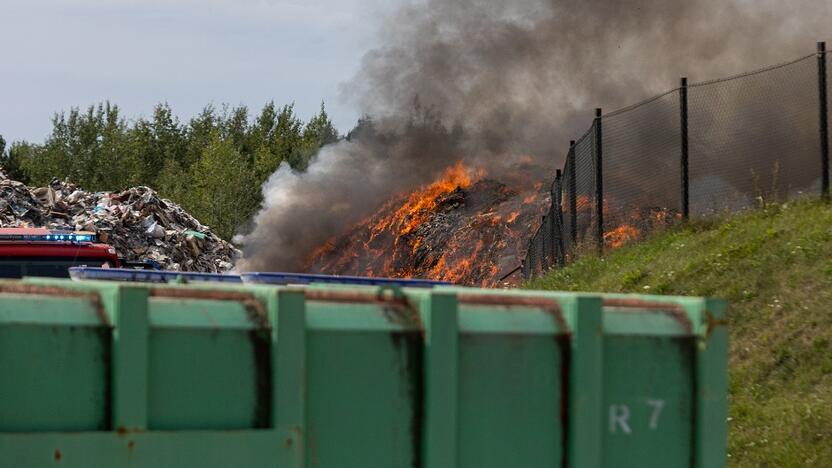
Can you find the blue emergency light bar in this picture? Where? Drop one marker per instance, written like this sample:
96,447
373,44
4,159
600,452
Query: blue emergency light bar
54,236
147,276
303,278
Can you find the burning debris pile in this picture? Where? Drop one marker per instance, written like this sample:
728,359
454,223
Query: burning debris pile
463,228
523,88
140,225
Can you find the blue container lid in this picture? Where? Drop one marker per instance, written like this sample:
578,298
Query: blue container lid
304,278
147,276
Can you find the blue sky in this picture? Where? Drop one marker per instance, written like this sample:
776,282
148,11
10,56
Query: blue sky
62,53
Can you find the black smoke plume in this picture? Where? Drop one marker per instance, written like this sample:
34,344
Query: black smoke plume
496,83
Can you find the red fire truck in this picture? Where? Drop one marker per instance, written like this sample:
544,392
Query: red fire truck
44,252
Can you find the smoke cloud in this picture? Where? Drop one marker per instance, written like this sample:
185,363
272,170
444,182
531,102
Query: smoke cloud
496,84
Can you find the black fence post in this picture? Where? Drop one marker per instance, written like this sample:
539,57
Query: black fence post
558,175
824,121
544,244
599,181
573,196
532,265
557,222
683,101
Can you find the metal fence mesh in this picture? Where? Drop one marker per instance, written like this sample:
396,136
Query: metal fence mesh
752,139
546,232
585,186
641,155
566,205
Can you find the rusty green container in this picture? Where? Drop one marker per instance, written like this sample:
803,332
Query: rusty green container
101,374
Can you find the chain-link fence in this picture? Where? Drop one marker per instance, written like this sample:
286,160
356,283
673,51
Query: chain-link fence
699,150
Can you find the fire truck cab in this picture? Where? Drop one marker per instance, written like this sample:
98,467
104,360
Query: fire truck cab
44,252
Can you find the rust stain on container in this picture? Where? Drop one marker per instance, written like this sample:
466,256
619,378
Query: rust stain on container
261,346
638,305
259,337
712,322
410,363
397,309
549,305
122,431
354,297
257,313
565,346
93,298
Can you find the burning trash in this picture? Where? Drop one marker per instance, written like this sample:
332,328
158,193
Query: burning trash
463,227
137,222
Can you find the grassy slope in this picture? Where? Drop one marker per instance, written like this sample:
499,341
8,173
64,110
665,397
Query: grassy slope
775,268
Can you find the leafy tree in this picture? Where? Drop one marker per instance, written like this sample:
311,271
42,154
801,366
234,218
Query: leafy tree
317,133
89,148
174,182
235,127
214,164
113,168
14,159
4,155
265,163
152,142
264,125
222,191
198,135
279,137
53,158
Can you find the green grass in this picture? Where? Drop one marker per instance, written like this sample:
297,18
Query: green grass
775,268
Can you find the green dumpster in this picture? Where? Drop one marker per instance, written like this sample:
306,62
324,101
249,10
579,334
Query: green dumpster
108,374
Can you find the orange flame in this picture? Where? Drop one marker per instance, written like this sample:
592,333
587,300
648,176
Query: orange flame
416,209
583,202
621,235
435,233
397,223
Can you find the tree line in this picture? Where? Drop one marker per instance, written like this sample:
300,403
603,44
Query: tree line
213,165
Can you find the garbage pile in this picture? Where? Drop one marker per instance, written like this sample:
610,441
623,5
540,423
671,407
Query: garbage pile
137,222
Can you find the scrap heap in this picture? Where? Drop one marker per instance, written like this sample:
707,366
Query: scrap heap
137,222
